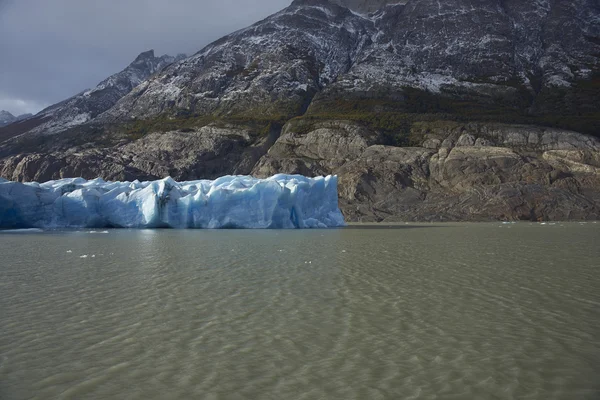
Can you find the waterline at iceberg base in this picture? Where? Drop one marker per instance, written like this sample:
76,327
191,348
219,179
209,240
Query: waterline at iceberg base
278,202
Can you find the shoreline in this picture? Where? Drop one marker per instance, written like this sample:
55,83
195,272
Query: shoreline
349,226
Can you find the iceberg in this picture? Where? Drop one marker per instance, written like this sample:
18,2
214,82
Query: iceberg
278,202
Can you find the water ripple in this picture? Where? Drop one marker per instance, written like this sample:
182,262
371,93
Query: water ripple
452,311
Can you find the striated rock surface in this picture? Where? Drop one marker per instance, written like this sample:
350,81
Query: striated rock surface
204,153
464,180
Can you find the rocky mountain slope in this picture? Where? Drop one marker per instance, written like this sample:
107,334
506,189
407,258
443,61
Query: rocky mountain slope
427,110
514,57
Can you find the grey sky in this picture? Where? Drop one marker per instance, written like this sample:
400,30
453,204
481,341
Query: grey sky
53,49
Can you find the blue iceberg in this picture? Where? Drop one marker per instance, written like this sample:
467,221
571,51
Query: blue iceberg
278,202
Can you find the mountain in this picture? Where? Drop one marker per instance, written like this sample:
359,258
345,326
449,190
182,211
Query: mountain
86,105
485,109
7,118
534,62
23,117
271,68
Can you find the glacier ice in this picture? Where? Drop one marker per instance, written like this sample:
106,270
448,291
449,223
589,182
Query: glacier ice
281,201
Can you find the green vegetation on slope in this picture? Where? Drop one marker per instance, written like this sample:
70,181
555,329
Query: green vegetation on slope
576,108
393,115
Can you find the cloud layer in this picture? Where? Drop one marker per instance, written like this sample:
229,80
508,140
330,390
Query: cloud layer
53,49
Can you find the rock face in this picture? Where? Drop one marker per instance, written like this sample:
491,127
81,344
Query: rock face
205,153
457,172
426,110
454,172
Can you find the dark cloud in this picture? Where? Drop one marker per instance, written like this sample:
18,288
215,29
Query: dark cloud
53,49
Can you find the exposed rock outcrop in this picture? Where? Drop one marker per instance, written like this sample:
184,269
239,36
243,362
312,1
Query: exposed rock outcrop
454,172
459,172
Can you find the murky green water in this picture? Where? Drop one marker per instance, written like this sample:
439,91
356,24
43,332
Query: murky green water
461,311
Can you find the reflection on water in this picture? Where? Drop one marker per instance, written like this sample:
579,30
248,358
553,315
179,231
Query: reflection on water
448,311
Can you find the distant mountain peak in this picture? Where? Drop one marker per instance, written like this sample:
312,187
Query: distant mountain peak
6,118
24,116
86,105
144,56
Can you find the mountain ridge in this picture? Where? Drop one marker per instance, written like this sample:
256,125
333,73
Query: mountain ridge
322,44
89,103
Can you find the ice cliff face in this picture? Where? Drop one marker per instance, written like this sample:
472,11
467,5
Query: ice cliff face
280,202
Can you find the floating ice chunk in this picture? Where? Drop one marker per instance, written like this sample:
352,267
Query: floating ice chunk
282,201
69,251
83,256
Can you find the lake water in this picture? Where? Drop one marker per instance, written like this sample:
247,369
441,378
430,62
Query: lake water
447,311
